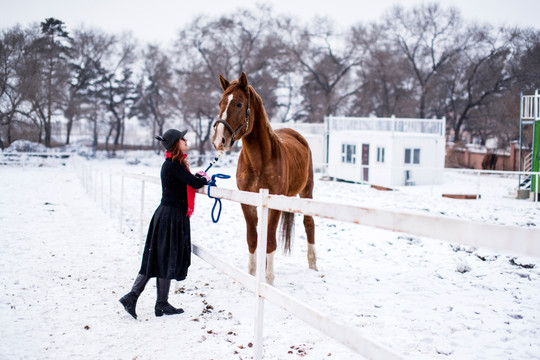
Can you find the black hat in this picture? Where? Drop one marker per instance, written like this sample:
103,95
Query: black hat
170,137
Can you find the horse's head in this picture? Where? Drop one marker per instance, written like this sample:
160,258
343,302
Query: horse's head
234,113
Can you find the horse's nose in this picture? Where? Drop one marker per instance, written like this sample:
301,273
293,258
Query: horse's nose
218,144
219,139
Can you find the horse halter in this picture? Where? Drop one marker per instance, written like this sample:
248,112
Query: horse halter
244,124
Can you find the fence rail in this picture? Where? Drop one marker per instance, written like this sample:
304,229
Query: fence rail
534,176
18,158
506,238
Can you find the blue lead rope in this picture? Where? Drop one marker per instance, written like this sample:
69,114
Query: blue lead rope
213,161
217,200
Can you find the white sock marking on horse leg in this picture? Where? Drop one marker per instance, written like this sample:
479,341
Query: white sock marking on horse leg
252,264
270,268
312,257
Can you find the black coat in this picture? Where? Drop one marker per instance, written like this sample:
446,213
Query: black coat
167,252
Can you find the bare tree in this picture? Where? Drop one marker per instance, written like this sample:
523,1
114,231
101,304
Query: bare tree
429,38
477,78
117,92
227,45
199,64
326,61
154,103
387,86
527,65
511,69
497,120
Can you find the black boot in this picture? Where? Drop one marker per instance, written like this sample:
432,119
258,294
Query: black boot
162,304
130,299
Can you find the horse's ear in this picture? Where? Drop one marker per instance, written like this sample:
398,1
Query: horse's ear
224,83
243,80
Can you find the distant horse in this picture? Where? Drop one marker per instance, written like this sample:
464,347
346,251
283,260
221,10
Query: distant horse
277,160
489,162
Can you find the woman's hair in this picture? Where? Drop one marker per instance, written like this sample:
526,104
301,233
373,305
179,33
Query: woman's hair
178,155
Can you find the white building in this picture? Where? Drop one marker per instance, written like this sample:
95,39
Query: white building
386,151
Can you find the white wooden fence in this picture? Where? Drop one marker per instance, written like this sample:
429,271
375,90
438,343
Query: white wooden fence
511,239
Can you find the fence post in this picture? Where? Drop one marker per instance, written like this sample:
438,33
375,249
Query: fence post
262,229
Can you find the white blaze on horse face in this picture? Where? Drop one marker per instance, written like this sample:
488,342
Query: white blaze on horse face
218,143
220,128
224,114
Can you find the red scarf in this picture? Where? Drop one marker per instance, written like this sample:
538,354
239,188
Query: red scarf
189,190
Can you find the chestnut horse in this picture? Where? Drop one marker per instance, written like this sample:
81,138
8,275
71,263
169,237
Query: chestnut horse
277,160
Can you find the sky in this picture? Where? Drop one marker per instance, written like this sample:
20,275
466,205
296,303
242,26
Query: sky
158,21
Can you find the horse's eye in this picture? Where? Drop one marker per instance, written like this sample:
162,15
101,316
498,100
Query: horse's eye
239,105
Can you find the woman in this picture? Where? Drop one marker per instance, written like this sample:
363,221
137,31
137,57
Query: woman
167,252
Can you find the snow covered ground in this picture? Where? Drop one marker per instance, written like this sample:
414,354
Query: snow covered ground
66,261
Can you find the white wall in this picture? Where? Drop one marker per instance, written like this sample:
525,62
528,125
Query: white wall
392,171
428,172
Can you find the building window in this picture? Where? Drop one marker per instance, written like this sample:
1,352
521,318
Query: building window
348,153
380,155
416,156
412,156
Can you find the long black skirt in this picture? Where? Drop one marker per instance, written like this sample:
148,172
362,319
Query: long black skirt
167,252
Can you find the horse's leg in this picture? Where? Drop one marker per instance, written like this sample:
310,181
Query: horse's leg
271,244
309,225
250,215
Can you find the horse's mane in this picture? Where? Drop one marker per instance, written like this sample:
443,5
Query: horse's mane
260,110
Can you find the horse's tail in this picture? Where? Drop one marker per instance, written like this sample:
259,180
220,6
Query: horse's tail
287,224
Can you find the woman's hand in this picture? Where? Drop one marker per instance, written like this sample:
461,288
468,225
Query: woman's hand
204,175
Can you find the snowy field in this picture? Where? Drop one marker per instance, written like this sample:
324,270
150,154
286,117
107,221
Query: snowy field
67,259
